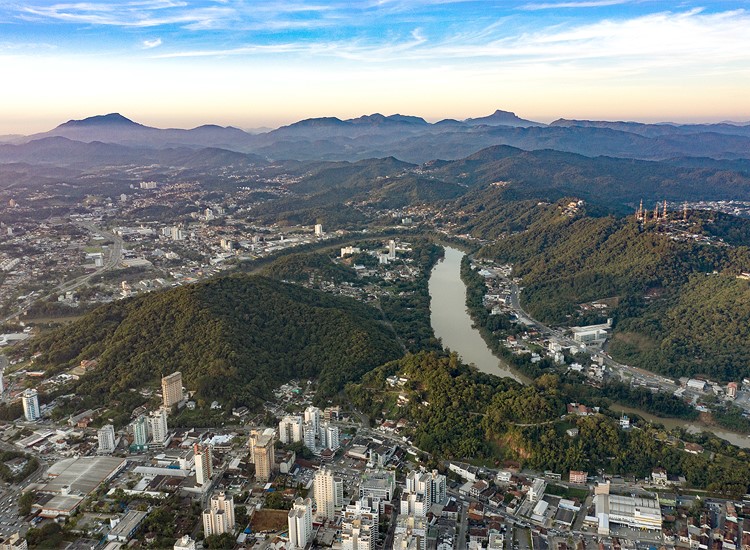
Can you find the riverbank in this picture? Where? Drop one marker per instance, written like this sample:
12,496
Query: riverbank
452,323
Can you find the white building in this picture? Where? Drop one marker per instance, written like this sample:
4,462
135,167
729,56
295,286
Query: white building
106,436
290,429
308,435
329,493
329,436
157,425
536,491
318,230
204,467
312,415
300,523
411,529
185,543
30,401
380,484
218,518
592,334
391,250
360,524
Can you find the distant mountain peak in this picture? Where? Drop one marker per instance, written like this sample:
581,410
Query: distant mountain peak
111,119
502,118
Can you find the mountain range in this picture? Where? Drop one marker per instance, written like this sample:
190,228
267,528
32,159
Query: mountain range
410,138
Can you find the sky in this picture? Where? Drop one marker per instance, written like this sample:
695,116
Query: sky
265,63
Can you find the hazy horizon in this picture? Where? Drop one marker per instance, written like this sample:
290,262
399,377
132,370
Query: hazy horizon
433,120
174,63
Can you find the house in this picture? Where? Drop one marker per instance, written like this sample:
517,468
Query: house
659,477
693,448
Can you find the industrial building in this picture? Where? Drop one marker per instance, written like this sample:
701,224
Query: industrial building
637,512
75,478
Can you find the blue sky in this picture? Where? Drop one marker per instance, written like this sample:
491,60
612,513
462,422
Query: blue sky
265,63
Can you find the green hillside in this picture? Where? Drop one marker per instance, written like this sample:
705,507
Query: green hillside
614,183
301,267
671,312
233,338
457,412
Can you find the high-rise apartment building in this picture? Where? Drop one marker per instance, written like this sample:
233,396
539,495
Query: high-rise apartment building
106,436
218,518
299,522
329,492
312,414
171,389
203,463
30,401
263,456
290,429
157,426
329,436
410,532
427,488
140,433
308,435
359,525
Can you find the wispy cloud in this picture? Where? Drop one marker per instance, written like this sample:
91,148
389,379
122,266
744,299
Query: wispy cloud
666,39
148,44
144,13
568,5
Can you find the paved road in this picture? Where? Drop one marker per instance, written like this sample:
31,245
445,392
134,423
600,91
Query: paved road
112,260
463,526
624,371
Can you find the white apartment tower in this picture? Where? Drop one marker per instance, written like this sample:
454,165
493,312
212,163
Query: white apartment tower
218,518
30,401
329,492
318,230
106,436
308,435
157,425
329,436
312,415
359,526
171,389
300,523
290,429
203,463
391,250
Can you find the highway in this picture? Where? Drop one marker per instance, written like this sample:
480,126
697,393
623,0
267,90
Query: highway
112,261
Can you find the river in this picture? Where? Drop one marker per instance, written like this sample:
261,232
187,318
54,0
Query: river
691,427
452,324
451,321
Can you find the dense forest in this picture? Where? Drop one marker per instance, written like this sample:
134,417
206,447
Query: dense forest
234,338
457,412
302,267
680,308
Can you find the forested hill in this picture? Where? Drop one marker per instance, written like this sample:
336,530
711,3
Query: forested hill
233,338
678,305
